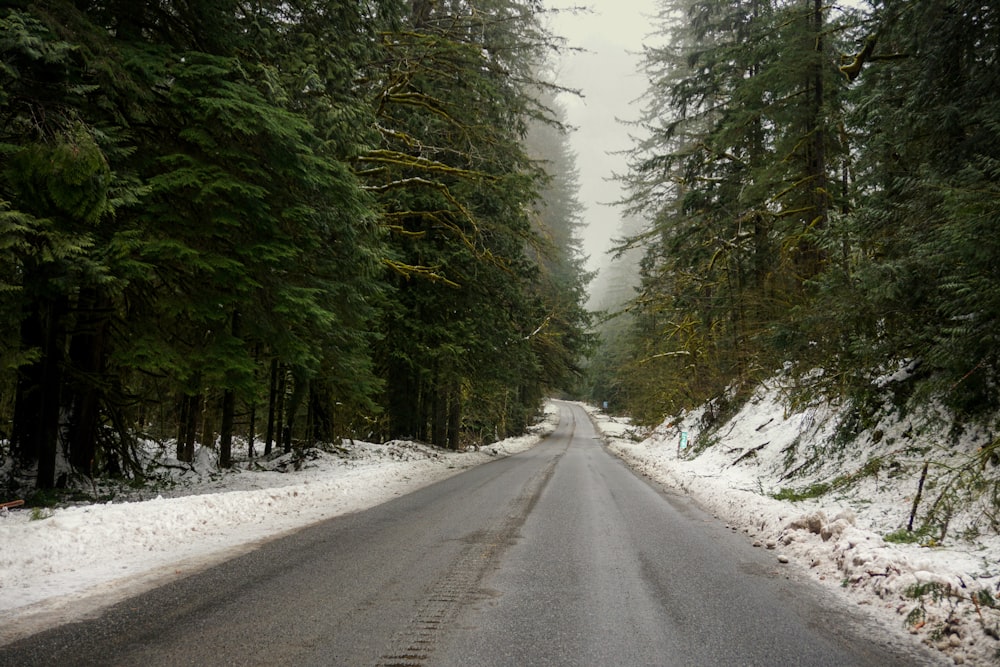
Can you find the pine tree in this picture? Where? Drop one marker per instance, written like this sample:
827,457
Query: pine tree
926,114
737,177
254,239
456,187
55,193
560,341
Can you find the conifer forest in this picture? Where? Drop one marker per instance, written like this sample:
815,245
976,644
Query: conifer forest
287,222
820,191
292,222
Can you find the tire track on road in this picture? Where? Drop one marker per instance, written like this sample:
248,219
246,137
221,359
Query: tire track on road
414,644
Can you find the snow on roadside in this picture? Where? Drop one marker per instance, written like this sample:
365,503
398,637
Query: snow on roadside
53,557
736,470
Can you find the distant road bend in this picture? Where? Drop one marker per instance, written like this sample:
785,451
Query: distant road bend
556,556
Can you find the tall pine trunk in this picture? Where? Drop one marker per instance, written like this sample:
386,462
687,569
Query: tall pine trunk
228,411
188,427
252,419
439,413
272,407
811,257
35,432
404,407
300,389
226,428
87,352
455,415
280,409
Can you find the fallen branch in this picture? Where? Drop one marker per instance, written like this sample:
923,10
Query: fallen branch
916,499
751,452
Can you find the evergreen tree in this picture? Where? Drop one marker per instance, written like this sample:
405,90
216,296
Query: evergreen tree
194,201
612,293
736,175
820,179
560,341
56,196
927,103
456,187
254,239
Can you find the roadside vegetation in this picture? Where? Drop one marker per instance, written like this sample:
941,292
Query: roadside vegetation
820,190
286,222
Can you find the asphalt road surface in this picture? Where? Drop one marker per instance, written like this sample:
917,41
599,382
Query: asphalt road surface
557,556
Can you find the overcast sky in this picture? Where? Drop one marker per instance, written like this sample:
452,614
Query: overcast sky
608,76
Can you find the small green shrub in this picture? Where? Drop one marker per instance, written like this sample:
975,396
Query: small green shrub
813,491
871,469
39,513
904,536
980,600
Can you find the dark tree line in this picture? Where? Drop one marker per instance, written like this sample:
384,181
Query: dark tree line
822,186
289,221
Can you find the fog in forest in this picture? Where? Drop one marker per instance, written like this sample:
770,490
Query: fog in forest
606,72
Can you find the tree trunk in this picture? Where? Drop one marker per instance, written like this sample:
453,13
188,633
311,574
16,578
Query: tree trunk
455,416
190,428
422,415
280,414
300,389
403,399
35,432
311,418
29,401
420,13
226,428
228,411
182,422
818,166
252,418
439,414
87,356
272,406
322,413
208,415
52,375
810,254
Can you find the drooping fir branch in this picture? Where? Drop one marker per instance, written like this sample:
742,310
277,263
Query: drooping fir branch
416,162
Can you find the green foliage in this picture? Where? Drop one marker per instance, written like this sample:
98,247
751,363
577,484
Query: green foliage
39,514
738,178
820,189
971,483
920,283
960,600
67,176
871,468
904,536
480,321
813,491
198,208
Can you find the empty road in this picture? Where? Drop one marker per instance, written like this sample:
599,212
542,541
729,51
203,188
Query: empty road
556,556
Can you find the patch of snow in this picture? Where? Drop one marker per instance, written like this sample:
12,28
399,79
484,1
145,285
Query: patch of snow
100,553
946,592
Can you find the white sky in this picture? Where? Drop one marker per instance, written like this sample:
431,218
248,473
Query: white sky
608,76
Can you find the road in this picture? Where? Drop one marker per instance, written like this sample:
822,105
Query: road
557,556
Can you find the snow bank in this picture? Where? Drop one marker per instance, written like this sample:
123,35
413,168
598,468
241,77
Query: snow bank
52,558
57,565
945,592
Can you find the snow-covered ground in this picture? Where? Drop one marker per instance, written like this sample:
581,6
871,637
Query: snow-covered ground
60,564
944,590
